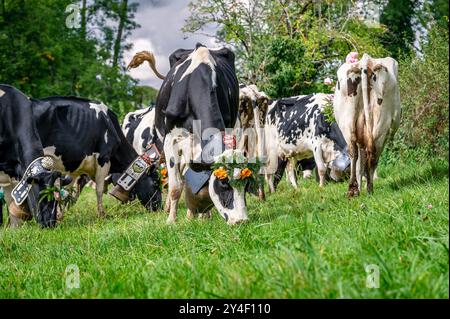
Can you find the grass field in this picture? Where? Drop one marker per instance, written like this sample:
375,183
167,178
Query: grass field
305,243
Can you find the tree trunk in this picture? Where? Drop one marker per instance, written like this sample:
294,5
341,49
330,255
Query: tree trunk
83,19
122,19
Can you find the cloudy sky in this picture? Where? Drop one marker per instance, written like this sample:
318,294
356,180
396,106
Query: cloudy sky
161,21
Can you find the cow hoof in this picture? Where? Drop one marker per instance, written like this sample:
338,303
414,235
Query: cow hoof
170,221
204,215
101,214
190,215
352,192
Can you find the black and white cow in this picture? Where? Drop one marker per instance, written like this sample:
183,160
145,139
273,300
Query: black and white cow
85,137
20,145
138,128
200,86
296,129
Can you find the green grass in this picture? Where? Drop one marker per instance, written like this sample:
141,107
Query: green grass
305,243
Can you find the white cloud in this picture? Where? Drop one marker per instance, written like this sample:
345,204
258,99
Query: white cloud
160,32
144,73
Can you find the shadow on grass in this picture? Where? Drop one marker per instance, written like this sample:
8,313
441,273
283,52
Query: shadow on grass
434,172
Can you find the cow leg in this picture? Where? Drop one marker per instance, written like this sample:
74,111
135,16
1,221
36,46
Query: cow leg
190,214
353,183
361,167
175,189
370,172
205,215
100,175
167,204
321,168
290,169
269,180
174,192
375,175
261,194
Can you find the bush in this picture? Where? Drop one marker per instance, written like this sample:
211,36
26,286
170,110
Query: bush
424,93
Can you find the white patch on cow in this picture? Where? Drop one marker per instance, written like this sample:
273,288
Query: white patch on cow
2,93
239,211
147,121
99,108
197,57
106,137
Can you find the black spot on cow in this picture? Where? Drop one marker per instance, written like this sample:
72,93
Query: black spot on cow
374,77
172,162
352,86
146,137
379,101
338,85
225,192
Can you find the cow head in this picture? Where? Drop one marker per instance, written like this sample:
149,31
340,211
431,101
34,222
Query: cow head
45,209
335,152
228,183
148,190
253,105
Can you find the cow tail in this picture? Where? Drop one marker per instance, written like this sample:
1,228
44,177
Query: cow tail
367,112
143,56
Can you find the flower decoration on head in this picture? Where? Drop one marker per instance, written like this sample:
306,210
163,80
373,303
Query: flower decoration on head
162,172
245,173
221,173
328,81
352,57
234,167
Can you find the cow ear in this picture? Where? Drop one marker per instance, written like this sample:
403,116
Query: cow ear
225,53
322,126
178,55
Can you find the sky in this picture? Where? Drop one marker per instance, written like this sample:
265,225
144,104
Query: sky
160,32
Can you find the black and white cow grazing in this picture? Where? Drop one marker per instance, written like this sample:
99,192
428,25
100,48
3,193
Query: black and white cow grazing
200,86
138,128
20,145
296,129
85,137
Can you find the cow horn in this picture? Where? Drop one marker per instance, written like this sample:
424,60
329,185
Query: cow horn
140,57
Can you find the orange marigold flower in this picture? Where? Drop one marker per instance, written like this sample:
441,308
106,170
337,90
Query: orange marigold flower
245,173
164,172
220,173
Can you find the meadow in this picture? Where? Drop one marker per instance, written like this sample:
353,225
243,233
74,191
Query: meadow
304,243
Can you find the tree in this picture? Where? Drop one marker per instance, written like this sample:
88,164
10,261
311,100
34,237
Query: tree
286,47
398,16
44,57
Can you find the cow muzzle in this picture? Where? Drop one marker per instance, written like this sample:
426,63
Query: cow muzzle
341,163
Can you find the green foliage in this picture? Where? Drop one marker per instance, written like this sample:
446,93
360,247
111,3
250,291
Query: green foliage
424,92
397,17
41,56
287,47
328,111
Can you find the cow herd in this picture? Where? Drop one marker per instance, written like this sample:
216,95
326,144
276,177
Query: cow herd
206,136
